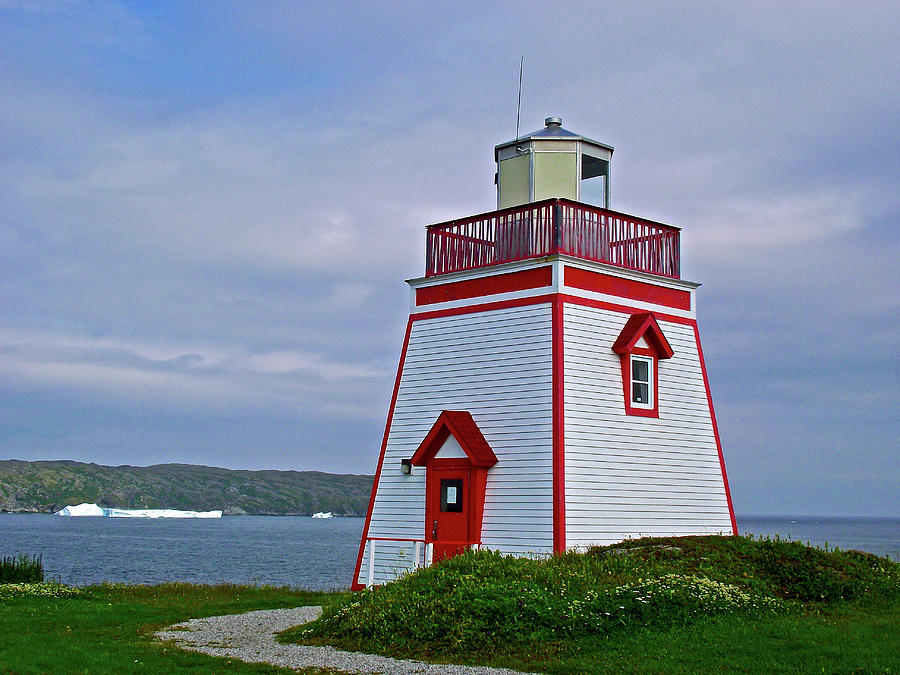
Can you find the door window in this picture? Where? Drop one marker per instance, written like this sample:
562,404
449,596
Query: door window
451,495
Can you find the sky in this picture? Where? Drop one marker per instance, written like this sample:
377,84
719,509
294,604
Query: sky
208,211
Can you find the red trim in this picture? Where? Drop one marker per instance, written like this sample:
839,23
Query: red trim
355,585
643,326
625,309
450,462
639,326
488,285
559,436
485,307
712,415
630,409
588,280
547,298
460,424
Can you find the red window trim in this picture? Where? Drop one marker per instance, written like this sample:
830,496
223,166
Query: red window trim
630,408
638,326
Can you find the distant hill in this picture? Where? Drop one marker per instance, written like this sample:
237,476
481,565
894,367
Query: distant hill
46,487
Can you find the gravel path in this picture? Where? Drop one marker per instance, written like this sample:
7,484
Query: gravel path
251,637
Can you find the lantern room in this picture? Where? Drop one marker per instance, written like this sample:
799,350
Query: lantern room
552,162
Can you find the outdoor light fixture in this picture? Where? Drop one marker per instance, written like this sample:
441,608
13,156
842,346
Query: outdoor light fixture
406,466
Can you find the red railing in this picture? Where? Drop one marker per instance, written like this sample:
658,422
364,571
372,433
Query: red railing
553,226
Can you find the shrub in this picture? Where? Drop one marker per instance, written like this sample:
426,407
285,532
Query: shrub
21,569
678,599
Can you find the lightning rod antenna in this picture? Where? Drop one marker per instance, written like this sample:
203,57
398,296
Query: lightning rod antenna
519,104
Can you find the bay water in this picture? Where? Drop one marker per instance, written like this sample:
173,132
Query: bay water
873,535
310,553
316,554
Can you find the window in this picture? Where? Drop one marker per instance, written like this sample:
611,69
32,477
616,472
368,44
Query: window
642,381
640,370
641,345
451,495
594,188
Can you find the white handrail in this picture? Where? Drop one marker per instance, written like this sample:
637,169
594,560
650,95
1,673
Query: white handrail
417,550
427,561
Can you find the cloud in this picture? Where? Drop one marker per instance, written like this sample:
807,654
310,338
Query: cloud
207,212
281,363
177,376
740,226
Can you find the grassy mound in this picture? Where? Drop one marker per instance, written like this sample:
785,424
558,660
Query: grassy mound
480,602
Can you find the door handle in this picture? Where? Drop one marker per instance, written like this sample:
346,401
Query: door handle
434,531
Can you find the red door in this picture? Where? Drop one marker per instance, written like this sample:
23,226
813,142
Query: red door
448,512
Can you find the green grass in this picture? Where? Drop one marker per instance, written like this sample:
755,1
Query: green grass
847,639
107,629
694,604
714,604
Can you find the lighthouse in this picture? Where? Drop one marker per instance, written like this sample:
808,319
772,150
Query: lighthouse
551,393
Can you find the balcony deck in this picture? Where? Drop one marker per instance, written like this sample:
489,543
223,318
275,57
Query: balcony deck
553,226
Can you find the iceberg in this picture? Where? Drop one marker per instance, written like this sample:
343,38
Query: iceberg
81,510
159,513
95,510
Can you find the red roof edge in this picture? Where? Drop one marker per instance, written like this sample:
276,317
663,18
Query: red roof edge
462,426
639,326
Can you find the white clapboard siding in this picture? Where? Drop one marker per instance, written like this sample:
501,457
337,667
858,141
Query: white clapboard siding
497,365
630,476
